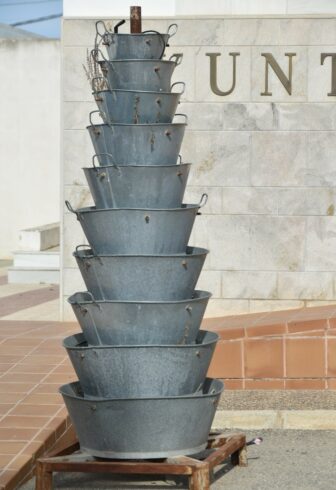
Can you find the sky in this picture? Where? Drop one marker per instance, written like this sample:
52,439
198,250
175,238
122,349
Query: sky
20,10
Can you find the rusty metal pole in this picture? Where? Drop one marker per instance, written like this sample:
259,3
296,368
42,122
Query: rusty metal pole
135,18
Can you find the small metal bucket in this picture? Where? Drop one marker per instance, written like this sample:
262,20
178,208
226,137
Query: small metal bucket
151,75
129,371
137,186
143,428
145,45
142,231
141,277
116,322
136,106
139,144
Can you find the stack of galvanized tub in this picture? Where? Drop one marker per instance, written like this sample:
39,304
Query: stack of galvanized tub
141,359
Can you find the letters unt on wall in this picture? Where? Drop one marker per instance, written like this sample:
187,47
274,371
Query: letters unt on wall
270,62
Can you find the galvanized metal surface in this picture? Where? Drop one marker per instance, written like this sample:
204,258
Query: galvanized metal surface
142,231
141,277
137,186
123,371
136,106
151,75
144,144
147,45
136,322
143,427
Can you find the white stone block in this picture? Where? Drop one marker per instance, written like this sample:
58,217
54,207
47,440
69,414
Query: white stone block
274,305
75,83
307,201
226,307
72,281
321,157
250,116
249,200
305,117
250,31
249,284
278,159
197,32
208,117
220,158
77,153
321,243
185,71
78,196
210,281
73,235
76,114
306,285
277,243
40,237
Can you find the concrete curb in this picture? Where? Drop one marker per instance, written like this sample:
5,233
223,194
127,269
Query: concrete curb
276,419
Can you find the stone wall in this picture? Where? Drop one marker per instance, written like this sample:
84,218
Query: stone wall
267,162
30,103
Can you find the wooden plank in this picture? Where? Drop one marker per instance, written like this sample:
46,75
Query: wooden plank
232,445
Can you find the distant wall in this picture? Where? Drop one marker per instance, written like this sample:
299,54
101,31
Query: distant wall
267,162
29,137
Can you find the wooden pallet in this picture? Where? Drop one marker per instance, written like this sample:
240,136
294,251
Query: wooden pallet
198,470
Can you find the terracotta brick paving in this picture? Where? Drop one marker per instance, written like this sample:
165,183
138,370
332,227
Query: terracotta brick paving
293,349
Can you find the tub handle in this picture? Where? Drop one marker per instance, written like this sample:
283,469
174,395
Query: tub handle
179,160
161,39
71,209
90,117
174,27
120,23
97,155
84,245
176,83
94,54
177,58
93,83
185,117
97,28
204,200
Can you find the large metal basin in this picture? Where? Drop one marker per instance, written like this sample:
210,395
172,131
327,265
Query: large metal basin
128,371
136,74
142,144
141,277
143,427
142,231
146,322
145,45
137,186
136,106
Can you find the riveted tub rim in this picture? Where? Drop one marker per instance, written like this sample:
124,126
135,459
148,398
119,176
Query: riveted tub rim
217,386
194,252
150,167
136,91
138,125
213,338
203,295
93,209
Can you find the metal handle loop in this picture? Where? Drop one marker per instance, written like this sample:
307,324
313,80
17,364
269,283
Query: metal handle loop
177,57
161,39
70,208
178,83
90,117
94,88
179,160
185,118
94,54
174,31
77,249
204,200
96,155
97,29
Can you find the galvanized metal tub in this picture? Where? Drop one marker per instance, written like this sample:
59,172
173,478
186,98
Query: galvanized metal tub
136,106
137,186
143,231
142,144
139,322
129,371
143,427
145,45
151,75
141,277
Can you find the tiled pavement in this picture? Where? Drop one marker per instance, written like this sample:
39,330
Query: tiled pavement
33,365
